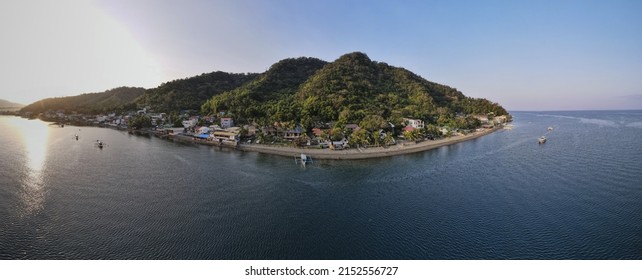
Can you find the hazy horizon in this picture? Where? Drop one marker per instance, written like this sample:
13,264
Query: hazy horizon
526,56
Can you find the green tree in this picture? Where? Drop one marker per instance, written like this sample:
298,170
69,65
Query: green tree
140,122
359,138
373,123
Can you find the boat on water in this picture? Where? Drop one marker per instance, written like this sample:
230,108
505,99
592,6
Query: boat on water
303,159
99,144
542,140
550,128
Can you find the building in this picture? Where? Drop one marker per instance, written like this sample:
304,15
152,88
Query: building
353,127
482,118
415,123
251,130
293,133
191,122
227,122
225,138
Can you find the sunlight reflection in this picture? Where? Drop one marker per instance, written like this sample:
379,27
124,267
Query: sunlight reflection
34,135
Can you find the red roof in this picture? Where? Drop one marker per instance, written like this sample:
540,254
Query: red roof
408,128
317,131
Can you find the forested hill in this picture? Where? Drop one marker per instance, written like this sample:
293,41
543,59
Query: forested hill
347,90
306,91
89,103
8,104
190,93
270,97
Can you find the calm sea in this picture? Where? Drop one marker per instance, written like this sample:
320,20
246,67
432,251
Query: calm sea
502,196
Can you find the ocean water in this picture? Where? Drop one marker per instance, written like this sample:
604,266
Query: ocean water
501,196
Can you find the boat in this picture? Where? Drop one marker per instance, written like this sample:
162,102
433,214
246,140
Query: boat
550,128
99,144
542,140
303,159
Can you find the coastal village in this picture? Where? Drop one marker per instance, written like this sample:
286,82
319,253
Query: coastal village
221,130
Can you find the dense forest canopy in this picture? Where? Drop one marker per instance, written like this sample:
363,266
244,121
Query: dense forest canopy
350,89
191,93
89,103
270,97
297,91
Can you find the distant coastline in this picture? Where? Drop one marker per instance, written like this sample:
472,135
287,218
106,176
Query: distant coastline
376,152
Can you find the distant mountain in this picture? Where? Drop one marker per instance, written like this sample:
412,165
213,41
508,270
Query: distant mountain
347,90
89,103
5,104
191,93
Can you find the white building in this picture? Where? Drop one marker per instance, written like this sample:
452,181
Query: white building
415,123
227,122
190,122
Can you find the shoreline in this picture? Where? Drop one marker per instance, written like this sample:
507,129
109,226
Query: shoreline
325,154
353,153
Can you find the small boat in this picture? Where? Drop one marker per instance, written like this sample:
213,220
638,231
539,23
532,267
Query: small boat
542,140
99,144
550,128
303,159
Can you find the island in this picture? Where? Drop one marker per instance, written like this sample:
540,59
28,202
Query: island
351,108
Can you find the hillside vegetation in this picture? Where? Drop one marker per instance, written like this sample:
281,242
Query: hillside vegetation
190,93
89,103
271,96
298,91
351,89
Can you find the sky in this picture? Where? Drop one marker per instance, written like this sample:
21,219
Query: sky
525,55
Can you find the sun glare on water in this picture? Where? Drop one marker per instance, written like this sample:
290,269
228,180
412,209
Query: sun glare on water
34,136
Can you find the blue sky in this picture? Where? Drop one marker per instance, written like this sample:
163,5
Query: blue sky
525,55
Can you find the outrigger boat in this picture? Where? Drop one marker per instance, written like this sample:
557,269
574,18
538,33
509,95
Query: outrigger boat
303,159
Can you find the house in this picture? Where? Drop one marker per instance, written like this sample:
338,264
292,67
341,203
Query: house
353,127
339,145
500,119
269,130
203,130
224,136
251,130
227,122
174,130
482,118
189,123
415,123
293,133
